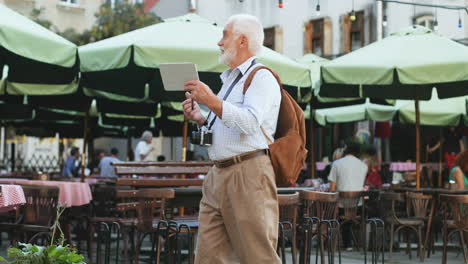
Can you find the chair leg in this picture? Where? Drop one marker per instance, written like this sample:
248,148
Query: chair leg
462,243
445,242
91,232
281,245
420,245
391,240
294,245
125,238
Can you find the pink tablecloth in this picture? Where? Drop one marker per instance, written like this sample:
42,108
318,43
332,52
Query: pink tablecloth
70,194
411,166
11,196
320,166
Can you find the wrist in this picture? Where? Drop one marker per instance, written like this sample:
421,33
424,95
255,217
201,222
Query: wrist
201,122
213,102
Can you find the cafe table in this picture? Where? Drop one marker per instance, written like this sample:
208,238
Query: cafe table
11,197
70,193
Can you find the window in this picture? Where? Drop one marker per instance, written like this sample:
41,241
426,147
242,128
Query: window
273,38
425,21
353,32
70,2
318,37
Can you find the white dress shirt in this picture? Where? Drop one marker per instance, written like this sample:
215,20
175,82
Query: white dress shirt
142,148
239,130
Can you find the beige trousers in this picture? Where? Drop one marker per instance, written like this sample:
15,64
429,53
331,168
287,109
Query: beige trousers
239,215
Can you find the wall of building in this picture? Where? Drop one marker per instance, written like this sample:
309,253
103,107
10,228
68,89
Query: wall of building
171,8
297,12
62,15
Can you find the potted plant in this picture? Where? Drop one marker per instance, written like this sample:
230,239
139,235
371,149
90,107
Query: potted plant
57,252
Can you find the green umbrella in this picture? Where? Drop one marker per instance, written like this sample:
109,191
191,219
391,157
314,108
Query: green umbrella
39,61
406,65
435,112
125,67
354,113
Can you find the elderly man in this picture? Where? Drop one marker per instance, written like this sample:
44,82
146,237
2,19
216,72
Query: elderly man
144,147
239,210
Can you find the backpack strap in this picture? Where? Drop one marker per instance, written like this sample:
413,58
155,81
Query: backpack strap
247,83
249,79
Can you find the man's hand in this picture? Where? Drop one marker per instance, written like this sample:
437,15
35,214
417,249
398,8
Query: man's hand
199,92
193,114
202,94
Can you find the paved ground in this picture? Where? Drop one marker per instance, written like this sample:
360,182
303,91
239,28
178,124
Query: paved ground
454,256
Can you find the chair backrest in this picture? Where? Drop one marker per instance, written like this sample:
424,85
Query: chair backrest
288,206
389,204
320,204
41,205
350,203
103,200
151,202
459,207
419,204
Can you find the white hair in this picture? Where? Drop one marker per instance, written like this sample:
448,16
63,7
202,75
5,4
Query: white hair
147,134
251,27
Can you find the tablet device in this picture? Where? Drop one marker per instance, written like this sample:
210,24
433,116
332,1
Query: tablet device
174,75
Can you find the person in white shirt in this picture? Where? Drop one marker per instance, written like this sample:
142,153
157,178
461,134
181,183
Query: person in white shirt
239,209
144,147
348,174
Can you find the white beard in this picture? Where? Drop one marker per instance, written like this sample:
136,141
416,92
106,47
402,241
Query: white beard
227,56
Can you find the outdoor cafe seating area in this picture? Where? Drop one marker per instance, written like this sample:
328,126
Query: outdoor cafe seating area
147,218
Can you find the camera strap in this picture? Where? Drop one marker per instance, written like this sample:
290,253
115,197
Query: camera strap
239,76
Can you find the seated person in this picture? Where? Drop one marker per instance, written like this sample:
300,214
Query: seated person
71,168
106,167
460,171
348,174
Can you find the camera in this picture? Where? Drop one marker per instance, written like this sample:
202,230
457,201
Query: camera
202,137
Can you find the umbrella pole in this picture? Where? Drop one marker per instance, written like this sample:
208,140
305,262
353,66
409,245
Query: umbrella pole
184,141
129,146
418,158
184,156
439,182
312,143
85,137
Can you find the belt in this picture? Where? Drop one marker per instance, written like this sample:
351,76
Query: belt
224,163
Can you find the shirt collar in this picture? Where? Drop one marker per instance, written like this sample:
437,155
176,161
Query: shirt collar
241,68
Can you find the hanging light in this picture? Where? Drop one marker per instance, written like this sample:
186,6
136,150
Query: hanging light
353,14
460,25
317,8
280,4
384,21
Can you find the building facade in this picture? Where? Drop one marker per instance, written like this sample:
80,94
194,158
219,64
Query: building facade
63,14
298,28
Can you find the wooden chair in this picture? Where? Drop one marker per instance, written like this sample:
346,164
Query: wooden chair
351,203
457,205
320,211
390,201
421,207
151,204
120,219
39,212
288,210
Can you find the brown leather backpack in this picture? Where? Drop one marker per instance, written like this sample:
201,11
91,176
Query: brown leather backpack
288,152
